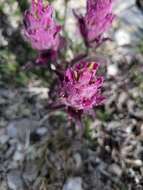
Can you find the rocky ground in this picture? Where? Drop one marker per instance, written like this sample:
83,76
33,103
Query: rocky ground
38,151
41,151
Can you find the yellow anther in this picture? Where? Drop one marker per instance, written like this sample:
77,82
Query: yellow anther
91,65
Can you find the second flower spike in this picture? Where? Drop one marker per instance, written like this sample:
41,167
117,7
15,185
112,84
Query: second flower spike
97,20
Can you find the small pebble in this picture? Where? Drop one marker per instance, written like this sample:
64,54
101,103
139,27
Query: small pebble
4,139
122,37
41,131
18,156
115,169
73,184
112,70
78,160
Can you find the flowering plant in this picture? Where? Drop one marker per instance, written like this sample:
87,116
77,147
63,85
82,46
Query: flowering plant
79,88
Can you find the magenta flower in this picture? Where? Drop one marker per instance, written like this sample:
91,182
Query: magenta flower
40,29
81,89
96,21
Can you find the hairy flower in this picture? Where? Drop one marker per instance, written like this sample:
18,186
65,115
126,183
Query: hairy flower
96,21
40,29
81,89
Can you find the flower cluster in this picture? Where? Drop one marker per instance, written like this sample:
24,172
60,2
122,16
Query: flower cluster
97,20
80,88
40,29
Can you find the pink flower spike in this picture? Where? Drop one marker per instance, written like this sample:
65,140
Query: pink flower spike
81,89
97,20
40,28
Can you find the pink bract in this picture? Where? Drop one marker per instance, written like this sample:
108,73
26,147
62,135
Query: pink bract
81,89
40,28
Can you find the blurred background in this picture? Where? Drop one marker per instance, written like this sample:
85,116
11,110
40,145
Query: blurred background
40,150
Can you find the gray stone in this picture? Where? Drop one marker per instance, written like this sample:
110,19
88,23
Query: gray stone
11,130
4,139
2,100
21,128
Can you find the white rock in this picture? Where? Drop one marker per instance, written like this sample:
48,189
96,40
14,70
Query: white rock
128,130
73,184
112,70
138,163
122,37
42,131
